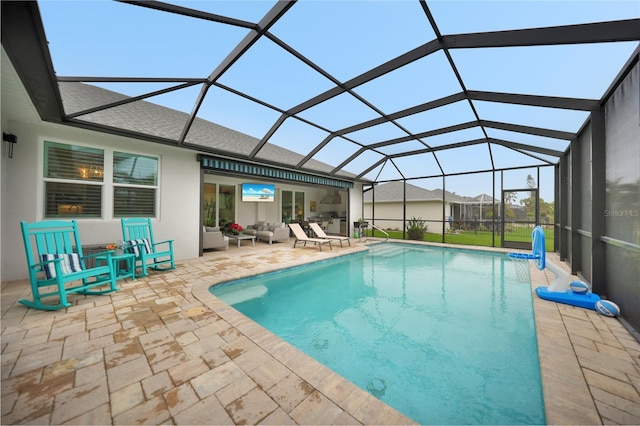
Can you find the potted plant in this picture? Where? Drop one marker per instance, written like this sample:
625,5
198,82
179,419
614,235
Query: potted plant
234,228
117,247
363,223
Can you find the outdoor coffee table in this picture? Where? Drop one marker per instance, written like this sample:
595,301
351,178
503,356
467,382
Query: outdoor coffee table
240,237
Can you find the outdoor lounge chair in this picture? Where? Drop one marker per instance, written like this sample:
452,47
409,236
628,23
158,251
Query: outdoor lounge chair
301,236
320,233
57,266
138,235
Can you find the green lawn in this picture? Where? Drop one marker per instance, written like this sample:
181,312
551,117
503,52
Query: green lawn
479,238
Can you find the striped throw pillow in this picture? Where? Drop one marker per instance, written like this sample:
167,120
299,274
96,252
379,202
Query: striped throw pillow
70,263
141,246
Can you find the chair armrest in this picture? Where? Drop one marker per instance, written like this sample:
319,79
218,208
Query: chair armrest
168,242
280,233
213,236
40,265
214,239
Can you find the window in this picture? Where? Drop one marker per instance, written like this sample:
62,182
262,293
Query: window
287,206
299,205
76,183
227,206
209,213
292,206
135,181
74,177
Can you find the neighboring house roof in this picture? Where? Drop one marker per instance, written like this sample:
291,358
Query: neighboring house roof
393,192
480,199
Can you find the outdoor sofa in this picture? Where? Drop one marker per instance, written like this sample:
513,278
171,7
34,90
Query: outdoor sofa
268,232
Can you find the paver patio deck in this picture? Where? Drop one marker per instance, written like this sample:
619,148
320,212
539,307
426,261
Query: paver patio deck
163,350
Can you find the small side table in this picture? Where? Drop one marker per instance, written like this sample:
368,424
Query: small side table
121,273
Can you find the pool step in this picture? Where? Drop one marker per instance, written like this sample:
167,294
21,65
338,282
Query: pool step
233,296
386,251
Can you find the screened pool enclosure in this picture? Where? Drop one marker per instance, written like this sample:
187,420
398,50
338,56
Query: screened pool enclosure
508,113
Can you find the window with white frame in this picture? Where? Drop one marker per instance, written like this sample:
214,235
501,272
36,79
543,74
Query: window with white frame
76,182
73,180
135,183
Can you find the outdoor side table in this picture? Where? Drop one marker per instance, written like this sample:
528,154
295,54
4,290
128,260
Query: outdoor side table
121,273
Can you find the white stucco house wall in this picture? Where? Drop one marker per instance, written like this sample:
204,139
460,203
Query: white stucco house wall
179,175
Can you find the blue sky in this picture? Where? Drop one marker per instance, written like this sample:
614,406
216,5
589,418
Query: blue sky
347,38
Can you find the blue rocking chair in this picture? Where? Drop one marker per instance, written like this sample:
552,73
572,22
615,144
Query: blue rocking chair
138,235
57,266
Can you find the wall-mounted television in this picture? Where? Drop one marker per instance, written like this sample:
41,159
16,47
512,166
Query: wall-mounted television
259,192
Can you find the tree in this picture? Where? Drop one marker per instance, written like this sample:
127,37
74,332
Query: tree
546,210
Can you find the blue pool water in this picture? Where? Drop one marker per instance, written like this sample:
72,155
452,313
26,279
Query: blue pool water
445,336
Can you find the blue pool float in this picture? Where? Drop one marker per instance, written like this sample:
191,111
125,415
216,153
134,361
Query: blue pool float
560,288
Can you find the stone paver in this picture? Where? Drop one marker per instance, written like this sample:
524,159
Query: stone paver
251,408
163,350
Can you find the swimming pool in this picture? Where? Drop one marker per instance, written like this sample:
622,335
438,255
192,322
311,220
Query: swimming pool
445,336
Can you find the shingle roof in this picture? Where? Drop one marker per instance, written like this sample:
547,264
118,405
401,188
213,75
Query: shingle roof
147,118
393,191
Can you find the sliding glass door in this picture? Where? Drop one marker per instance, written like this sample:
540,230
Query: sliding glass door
292,206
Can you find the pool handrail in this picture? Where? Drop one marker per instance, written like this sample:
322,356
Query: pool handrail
381,230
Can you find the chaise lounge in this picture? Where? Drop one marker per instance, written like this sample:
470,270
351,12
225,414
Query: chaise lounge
301,236
321,234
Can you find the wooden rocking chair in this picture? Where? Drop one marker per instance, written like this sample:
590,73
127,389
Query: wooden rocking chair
57,266
138,235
